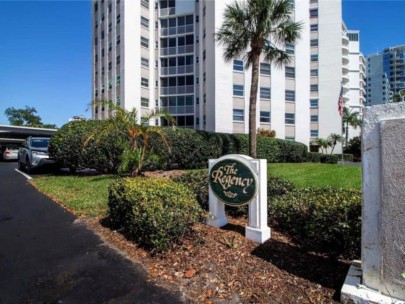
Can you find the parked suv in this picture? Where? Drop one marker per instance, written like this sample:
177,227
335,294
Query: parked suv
34,153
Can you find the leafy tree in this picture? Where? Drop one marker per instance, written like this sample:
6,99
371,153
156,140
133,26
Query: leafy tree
352,119
256,27
334,138
322,143
26,117
136,135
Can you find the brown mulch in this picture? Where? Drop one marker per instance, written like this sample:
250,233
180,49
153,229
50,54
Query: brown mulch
222,266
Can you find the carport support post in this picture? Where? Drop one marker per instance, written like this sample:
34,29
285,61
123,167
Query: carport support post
258,229
217,217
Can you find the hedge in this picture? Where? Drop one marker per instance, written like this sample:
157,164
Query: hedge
155,212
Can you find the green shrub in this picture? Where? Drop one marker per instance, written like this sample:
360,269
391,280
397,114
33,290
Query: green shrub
314,157
67,148
346,157
354,147
155,212
292,151
197,182
329,159
268,148
277,186
324,220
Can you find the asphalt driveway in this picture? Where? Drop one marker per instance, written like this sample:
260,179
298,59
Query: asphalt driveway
47,257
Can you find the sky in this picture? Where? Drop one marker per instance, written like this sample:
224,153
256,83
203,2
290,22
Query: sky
45,51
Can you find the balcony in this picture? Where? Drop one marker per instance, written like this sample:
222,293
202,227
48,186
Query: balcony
176,50
345,59
345,78
345,69
345,40
185,69
167,11
170,31
345,49
180,110
177,90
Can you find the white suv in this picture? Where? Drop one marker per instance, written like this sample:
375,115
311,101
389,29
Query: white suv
34,153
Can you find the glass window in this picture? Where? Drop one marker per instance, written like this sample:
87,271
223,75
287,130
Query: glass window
290,95
145,102
144,82
289,72
314,42
238,90
314,72
314,118
144,22
264,116
290,118
314,103
118,39
238,65
314,133
314,27
144,42
238,115
265,93
290,48
265,68
145,62
313,13
314,88
314,57
118,80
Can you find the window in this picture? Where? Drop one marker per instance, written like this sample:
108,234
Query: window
264,116
110,66
265,93
314,57
110,46
238,115
118,19
145,3
265,69
144,121
238,90
118,80
96,58
290,138
204,54
353,36
197,19
144,102
118,39
314,133
144,22
289,72
118,100
204,10
96,41
238,65
145,62
289,95
144,42
314,42
290,48
314,118
314,88
145,82
314,103
314,27
109,8
313,13
314,72
290,118
109,27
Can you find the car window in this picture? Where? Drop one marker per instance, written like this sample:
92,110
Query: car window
39,142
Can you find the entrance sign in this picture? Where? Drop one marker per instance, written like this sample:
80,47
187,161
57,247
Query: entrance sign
237,180
233,182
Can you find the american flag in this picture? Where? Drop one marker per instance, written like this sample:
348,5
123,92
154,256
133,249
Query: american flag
340,102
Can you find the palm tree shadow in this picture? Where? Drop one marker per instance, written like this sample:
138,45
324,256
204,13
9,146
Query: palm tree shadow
327,272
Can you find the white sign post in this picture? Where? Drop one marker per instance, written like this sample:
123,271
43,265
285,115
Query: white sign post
238,180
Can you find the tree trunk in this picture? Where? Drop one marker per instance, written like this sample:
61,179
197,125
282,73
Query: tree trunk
252,105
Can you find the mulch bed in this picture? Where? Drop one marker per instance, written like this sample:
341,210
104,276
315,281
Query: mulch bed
222,266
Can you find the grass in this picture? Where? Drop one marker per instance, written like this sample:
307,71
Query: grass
318,175
84,195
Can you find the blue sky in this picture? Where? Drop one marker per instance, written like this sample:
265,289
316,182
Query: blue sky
45,51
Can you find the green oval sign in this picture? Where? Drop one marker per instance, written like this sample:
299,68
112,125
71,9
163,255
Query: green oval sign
233,182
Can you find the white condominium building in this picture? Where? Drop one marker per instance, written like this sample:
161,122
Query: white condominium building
149,54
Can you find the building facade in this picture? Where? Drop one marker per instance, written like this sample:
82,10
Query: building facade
385,75
149,54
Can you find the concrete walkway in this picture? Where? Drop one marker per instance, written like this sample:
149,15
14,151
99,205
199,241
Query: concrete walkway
47,257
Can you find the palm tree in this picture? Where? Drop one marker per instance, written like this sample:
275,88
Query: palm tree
256,27
352,119
322,143
126,124
334,138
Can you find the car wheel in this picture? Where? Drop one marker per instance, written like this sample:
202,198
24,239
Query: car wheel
28,167
20,166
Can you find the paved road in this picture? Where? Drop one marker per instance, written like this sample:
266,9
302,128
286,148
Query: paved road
45,257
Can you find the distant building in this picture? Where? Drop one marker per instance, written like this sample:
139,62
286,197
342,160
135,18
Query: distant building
385,75
77,118
149,54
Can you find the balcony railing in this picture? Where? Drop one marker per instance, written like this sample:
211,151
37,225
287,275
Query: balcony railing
177,90
167,11
185,69
180,110
189,28
185,49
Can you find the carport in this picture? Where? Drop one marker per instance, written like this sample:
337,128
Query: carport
17,134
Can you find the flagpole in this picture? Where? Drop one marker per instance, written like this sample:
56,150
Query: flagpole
341,130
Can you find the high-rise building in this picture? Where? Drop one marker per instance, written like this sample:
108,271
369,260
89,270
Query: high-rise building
385,75
149,54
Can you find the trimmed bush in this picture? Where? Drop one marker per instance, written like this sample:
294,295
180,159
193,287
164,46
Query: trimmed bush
346,157
329,159
67,148
196,182
155,212
324,220
292,151
314,157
